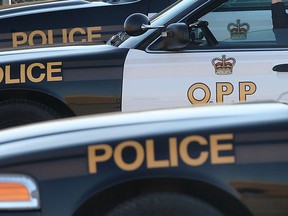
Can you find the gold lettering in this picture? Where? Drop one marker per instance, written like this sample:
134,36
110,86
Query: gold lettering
223,89
202,87
91,34
22,73
30,75
50,37
35,72
51,70
217,147
118,157
150,154
47,36
246,88
191,151
19,38
8,79
173,152
33,34
64,35
184,153
93,158
1,74
73,31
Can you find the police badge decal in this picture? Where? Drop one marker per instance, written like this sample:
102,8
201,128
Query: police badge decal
223,66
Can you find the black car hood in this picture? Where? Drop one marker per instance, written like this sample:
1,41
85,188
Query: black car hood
45,54
244,112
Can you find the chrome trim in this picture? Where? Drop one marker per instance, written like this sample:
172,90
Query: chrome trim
33,190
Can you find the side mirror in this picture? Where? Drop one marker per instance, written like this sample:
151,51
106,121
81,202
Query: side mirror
176,36
133,25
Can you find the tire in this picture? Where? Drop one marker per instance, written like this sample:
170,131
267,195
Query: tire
21,112
165,204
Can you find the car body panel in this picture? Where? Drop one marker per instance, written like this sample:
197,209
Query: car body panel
189,78
75,76
68,22
132,73
227,147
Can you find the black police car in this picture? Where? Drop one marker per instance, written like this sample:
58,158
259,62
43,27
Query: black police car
211,160
66,22
193,52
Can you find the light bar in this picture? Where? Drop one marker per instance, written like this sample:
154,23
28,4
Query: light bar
18,192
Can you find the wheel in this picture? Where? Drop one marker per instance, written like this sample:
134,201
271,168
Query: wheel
20,112
165,204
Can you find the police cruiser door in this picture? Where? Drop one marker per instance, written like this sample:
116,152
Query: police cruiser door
244,63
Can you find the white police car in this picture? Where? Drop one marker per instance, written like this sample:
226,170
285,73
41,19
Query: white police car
232,55
181,57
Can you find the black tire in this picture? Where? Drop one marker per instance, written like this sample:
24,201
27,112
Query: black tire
21,112
165,204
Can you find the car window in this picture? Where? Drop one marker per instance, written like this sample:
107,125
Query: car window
243,27
247,5
225,26
239,28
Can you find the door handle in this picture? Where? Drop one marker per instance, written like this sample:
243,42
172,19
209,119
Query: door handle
281,68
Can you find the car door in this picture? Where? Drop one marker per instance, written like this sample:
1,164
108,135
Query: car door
248,65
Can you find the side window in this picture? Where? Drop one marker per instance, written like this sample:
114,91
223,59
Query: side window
241,20
247,22
235,27
247,5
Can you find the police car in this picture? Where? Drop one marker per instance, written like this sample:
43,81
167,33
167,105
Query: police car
66,22
71,22
174,59
211,160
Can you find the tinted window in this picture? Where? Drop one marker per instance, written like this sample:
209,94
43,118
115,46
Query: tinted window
244,27
247,5
232,29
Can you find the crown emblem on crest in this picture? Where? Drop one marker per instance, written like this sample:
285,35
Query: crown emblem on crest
238,30
223,66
